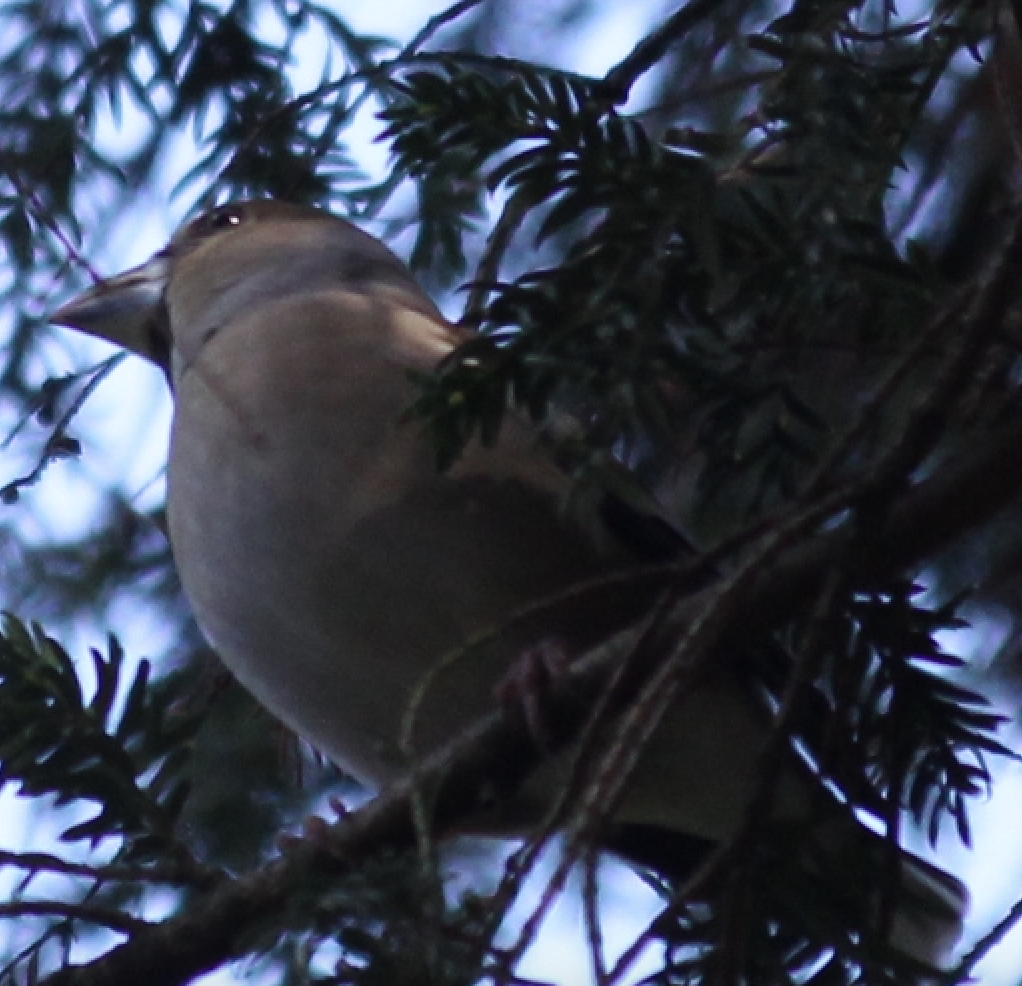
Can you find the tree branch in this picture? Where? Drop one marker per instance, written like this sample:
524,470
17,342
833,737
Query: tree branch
497,752
618,82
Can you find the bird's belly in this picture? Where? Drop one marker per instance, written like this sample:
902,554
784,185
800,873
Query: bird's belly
341,589
334,585
319,628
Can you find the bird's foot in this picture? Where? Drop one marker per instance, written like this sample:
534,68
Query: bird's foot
527,683
316,830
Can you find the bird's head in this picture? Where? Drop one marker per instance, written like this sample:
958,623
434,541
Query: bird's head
229,260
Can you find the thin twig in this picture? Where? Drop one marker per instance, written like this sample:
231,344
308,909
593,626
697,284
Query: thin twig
618,82
591,911
488,268
436,22
1004,67
45,218
107,917
108,872
522,862
54,447
881,394
771,762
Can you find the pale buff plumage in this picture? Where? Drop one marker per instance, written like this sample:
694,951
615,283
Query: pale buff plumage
327,560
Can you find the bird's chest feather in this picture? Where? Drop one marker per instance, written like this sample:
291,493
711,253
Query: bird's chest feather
330,564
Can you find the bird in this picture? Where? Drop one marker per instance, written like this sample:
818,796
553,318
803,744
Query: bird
333,566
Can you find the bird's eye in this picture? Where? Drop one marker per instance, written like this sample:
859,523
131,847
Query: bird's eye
208,224
223,218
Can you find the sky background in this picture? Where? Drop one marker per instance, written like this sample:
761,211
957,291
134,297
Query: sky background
126,423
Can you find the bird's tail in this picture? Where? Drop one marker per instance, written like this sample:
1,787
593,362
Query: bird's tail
893,898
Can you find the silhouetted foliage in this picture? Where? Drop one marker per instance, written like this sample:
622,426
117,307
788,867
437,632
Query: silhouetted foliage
764,268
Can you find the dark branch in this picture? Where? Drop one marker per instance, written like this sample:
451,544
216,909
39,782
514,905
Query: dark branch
107,917
499,750
618,82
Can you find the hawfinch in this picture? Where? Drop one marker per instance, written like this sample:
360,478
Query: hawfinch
332,566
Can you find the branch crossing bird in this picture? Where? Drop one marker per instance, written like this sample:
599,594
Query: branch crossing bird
331,565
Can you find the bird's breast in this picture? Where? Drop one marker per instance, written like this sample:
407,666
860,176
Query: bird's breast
325,558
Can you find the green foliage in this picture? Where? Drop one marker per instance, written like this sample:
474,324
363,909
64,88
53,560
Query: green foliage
116,760
123,750
931,737
695,268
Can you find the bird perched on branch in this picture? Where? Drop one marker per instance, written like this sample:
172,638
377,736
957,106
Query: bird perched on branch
334,568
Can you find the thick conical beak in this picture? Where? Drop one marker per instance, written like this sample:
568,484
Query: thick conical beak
122,310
